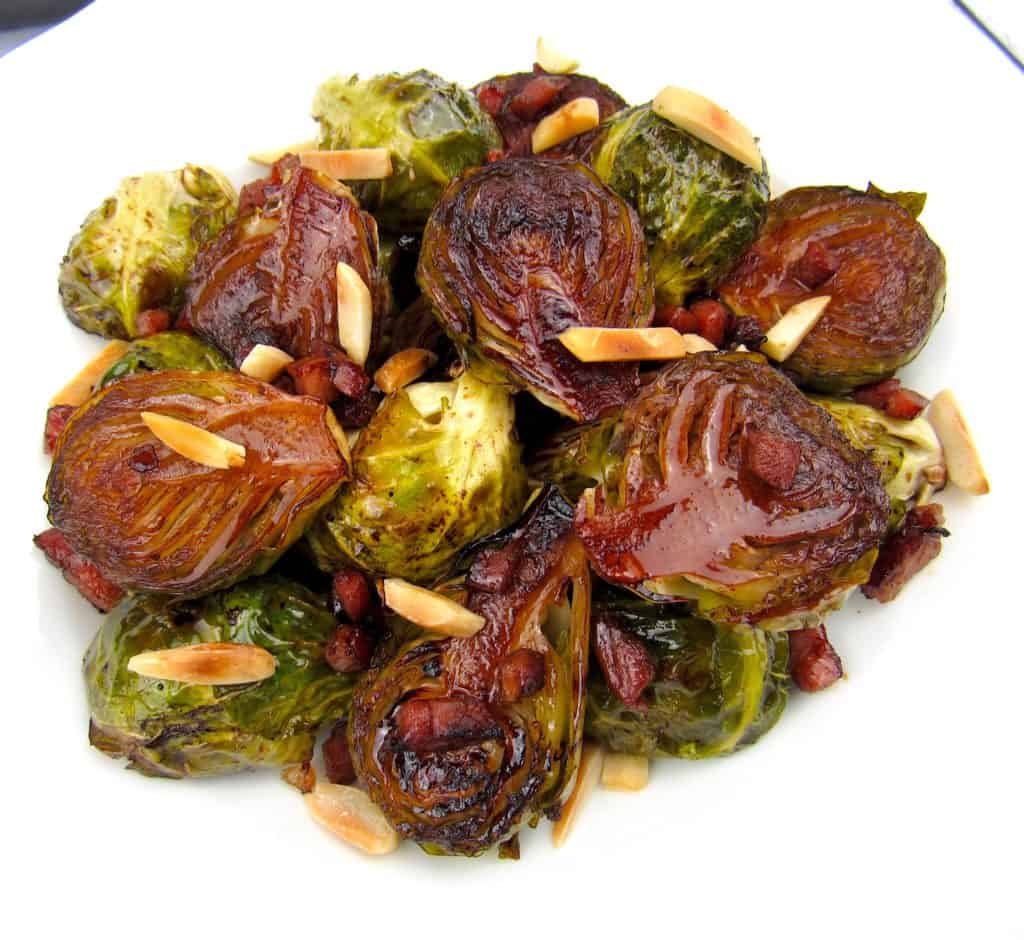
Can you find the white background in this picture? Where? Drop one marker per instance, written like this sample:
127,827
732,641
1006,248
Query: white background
888,806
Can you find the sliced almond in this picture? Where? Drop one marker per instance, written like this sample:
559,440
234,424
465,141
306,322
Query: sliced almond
963,464
783,338
587,775
81,386
206,664
351,815
430,610
625,771
341,438
573,118
194,443
403,368
551,60
355,313
701,117
605,344
265,363
270,157
371,163
431,398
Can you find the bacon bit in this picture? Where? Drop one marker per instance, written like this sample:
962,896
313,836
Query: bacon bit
78,571
679,318
301,776
492,569
520,675
150,322
350,649
491,99
878,394
56,418
627,665
771,458
889,396
906,552
746,331
816,265
813,662
713,320
326,373
535,96
435,724
350,595
337,757
357,412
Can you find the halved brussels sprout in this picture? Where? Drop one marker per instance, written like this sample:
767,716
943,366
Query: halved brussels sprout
700,208
155,521
437,468
171,349
517,252
886,278
715,689
172,729
133,253
460,741
433,129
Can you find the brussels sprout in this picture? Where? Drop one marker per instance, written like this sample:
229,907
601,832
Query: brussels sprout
437,467
715,689
153,520
700,208
434,130
517,252
168,350
722,485
885,276
460,741
133,253
172,729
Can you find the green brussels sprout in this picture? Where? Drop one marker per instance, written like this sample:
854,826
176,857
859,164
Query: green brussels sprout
715,689
171,349
437,467
700,208
434,130
133,253
173,729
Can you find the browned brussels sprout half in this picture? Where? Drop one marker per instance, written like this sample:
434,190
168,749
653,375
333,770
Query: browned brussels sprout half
886,278
723,485
460,740
270,277
518,251
158,522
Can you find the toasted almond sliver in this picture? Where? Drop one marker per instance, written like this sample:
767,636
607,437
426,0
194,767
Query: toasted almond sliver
206,664
963,463
587,775
625,771
351,815
402,368
573,118
194,443
605,344
355,313
783,339
553,61
430,610
265,363
371,163
431,398
340,436
270,157
80,387
701,117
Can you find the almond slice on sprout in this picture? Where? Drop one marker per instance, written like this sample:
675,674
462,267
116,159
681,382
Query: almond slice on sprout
709,122
628,772
79,389
370,163
572,119
963,463
265,363
352,816
782,340
403,368
206,664
194,443
355,313
587,775
553,60
430,610
270,157
607,344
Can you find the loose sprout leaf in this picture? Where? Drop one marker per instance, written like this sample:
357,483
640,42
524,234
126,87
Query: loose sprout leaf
171,349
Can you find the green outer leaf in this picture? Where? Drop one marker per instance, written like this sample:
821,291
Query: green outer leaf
911,201
168,350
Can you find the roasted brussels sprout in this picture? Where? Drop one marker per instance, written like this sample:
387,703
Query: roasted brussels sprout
459,741
169,350
134,252
155,521
437,467
886,278
517,252
700,208
722,485
715,689
433,129
173,729
271,275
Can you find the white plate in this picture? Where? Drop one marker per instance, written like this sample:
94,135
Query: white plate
889,802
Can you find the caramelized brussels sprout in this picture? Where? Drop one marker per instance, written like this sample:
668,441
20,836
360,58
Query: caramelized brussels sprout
133,253
722,485
521,250
886,278
169,350
461,740
715,689
173,729
437,467
271,275
433,129
155,521
700,208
